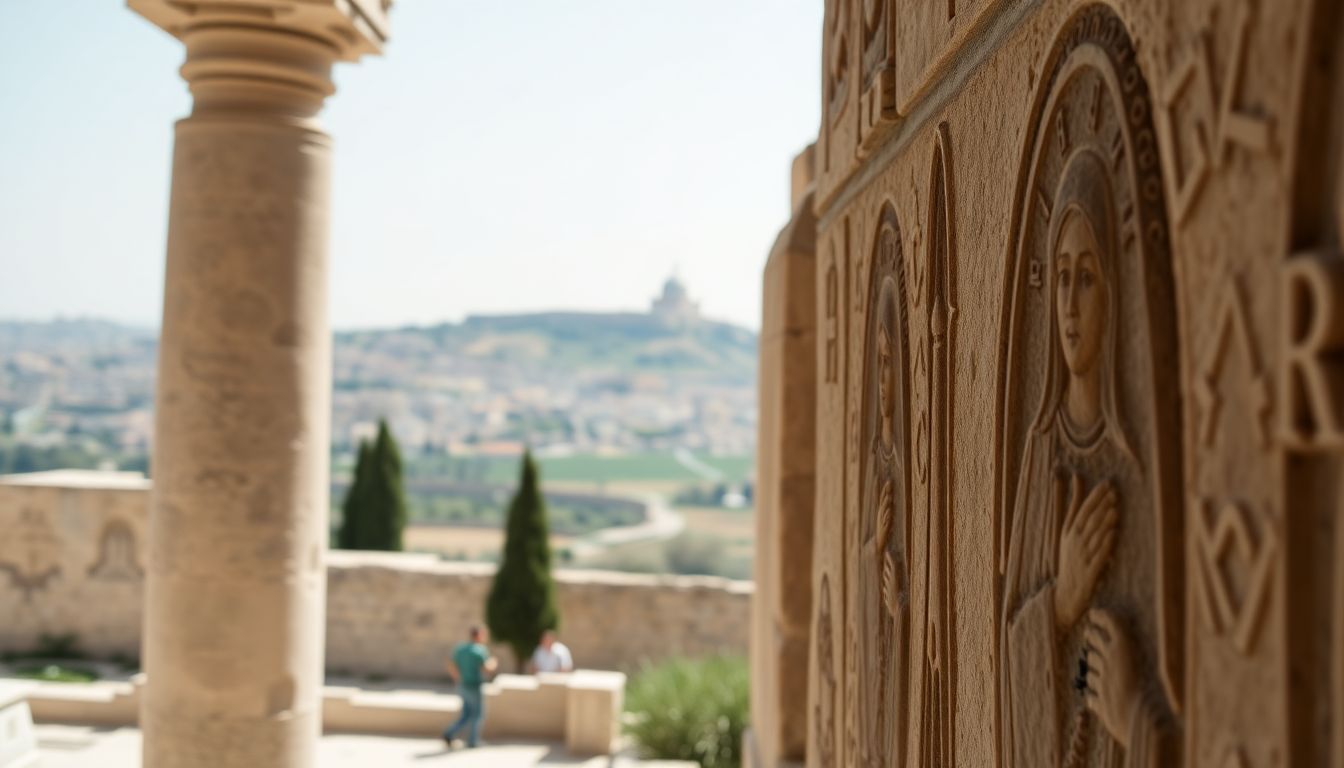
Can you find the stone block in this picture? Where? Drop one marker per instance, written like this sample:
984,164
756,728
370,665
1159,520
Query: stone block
594,701
18,741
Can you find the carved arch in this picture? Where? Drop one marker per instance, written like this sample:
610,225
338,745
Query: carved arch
937,286
1090,149
881,537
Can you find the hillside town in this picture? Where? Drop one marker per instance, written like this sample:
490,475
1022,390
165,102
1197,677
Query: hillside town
586,383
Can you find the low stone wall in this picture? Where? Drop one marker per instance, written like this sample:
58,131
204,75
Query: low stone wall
72,563
421,607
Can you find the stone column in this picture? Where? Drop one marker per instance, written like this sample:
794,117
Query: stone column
785,461
235,599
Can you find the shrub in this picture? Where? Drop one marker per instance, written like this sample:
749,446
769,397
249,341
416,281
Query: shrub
59,646
695,554
690,710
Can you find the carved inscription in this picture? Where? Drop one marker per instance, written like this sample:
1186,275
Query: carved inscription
1200,123
832,323
1311,376
1235,570
1233,337
882,530
1092,621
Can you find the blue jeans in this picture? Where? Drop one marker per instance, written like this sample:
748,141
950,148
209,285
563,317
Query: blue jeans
473,714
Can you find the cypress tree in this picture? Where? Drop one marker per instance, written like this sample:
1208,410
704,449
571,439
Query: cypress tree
387,498
354,511
522,604
374,512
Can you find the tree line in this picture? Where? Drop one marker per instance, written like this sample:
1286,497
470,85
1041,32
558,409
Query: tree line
521,604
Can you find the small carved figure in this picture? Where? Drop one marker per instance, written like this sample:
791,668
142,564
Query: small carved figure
879,600
116,555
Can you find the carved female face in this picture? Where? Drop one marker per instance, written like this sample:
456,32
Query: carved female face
1081,293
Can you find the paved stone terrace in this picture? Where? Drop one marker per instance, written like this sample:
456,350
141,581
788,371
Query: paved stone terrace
64,746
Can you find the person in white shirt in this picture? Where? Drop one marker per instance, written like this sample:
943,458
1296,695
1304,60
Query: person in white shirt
551,655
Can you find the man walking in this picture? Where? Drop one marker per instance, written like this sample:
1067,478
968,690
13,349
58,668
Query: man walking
469,666
551,655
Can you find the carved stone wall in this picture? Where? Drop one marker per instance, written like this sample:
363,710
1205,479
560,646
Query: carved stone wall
72,563
1094,250
72,560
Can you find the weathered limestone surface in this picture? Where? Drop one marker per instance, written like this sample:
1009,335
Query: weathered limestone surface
1093,249
72,559
785,461
236,583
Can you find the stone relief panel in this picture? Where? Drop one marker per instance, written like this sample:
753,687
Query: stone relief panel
827,658
1091,634
30,551
879,543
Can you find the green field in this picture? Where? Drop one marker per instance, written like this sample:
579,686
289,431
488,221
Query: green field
579,468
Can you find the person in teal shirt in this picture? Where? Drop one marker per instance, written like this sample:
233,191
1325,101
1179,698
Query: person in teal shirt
469,666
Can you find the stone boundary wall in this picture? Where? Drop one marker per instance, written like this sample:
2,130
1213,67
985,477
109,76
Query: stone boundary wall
72,562
400,614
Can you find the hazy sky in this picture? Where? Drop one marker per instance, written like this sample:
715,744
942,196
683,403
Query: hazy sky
501,156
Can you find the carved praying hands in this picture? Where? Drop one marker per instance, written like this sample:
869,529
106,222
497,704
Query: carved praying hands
1112,684
1085,546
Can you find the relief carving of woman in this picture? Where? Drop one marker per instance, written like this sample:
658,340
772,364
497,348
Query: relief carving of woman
1082,500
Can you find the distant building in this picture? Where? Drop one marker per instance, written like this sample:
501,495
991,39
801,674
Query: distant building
675,306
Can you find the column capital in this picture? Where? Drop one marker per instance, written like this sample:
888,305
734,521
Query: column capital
352,28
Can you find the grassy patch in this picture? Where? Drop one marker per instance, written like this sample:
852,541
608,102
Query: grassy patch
55,673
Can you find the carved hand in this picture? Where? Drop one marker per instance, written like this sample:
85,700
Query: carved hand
885,514
1085,546
890,585
1112,684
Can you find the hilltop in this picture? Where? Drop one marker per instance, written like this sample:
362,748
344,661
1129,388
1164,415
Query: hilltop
574,343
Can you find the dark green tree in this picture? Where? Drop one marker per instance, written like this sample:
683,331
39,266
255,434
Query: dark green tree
522,603
374,512
387,498
355,507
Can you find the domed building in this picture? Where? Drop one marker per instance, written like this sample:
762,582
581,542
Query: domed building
675,306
